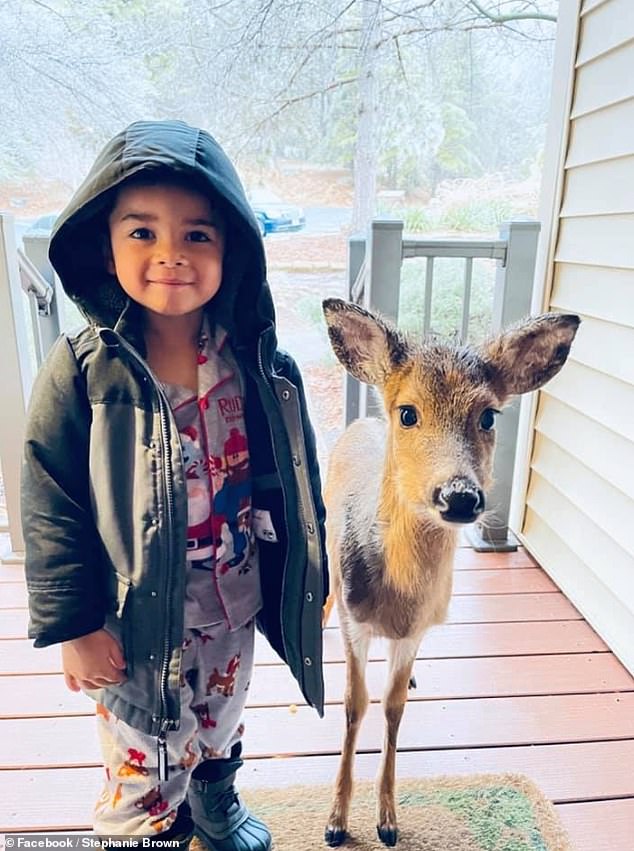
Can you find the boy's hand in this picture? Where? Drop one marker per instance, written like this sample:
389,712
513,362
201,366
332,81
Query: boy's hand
93,661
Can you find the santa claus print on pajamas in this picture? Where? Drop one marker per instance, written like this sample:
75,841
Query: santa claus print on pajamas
223,580
201,543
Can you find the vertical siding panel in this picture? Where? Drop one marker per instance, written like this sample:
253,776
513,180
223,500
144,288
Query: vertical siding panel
609,26
567,523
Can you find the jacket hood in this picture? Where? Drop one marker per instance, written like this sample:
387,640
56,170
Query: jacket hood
243,305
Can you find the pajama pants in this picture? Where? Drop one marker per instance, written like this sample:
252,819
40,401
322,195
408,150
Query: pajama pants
216,670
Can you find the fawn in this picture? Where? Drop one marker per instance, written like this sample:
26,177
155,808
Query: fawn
398,490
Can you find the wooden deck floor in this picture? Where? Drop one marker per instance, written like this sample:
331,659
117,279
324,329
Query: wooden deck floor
515,681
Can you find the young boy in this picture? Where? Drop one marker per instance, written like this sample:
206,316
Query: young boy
171,493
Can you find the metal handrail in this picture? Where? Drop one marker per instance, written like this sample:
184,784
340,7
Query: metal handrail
358,287
34,284
493,249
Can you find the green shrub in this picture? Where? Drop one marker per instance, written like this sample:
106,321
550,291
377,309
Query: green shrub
309,307
477,215
447,297
417,220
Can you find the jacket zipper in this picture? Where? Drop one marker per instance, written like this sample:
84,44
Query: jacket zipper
164,723
161,744
163,763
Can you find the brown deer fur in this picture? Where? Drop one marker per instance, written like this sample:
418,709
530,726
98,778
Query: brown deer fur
397,491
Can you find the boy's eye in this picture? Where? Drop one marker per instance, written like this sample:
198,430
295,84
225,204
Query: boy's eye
198,236
141,233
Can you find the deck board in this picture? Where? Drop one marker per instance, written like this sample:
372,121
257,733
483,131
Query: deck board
503,608
515,680
466,559
42,799
12,595
481,609
599,825
491,608
279,731
446,641
449,641
525,580
437,679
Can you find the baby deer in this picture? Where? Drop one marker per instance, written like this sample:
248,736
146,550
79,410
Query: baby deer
398,490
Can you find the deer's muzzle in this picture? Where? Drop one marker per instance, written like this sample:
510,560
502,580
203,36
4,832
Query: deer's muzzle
459,500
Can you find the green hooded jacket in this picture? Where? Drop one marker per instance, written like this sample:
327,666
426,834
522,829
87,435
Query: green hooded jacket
104,502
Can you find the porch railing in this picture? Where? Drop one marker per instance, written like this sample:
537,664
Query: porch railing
27,332
374,281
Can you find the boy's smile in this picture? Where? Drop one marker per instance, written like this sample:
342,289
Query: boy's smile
166,248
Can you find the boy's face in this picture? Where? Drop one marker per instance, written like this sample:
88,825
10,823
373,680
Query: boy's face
166,245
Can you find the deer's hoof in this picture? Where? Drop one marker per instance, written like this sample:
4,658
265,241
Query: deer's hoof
335,836
387,834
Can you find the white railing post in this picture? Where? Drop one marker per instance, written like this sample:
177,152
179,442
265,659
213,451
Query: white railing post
16,378
382,293
386,257
512,301
351,387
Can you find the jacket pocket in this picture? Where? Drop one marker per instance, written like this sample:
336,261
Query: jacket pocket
123,618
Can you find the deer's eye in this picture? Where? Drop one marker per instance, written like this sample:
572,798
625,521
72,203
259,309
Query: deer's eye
487,419
408,416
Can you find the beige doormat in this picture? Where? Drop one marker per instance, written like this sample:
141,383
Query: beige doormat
487,812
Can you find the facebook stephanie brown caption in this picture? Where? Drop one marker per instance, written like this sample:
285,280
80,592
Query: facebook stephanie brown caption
77,840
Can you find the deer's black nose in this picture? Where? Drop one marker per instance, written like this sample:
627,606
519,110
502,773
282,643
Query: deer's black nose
459,501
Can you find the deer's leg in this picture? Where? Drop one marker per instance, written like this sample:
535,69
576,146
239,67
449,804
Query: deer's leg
356,643
401,655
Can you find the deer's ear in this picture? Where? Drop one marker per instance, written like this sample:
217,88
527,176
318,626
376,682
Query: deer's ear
367,346
528,355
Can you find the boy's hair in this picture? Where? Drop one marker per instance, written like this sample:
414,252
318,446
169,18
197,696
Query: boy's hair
164,176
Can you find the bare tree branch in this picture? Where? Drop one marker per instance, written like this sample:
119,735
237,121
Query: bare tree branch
254,130
48,8
399,57
511,16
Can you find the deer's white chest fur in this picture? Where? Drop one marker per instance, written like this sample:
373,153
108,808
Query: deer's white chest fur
395,566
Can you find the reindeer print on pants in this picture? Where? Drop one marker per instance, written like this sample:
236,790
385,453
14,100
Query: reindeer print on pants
134,801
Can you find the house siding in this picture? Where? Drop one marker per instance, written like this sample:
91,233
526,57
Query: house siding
579,509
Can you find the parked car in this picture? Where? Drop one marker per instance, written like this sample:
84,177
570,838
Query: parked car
275,215
42,225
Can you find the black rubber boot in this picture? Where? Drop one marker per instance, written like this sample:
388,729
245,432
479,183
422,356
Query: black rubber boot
220,817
